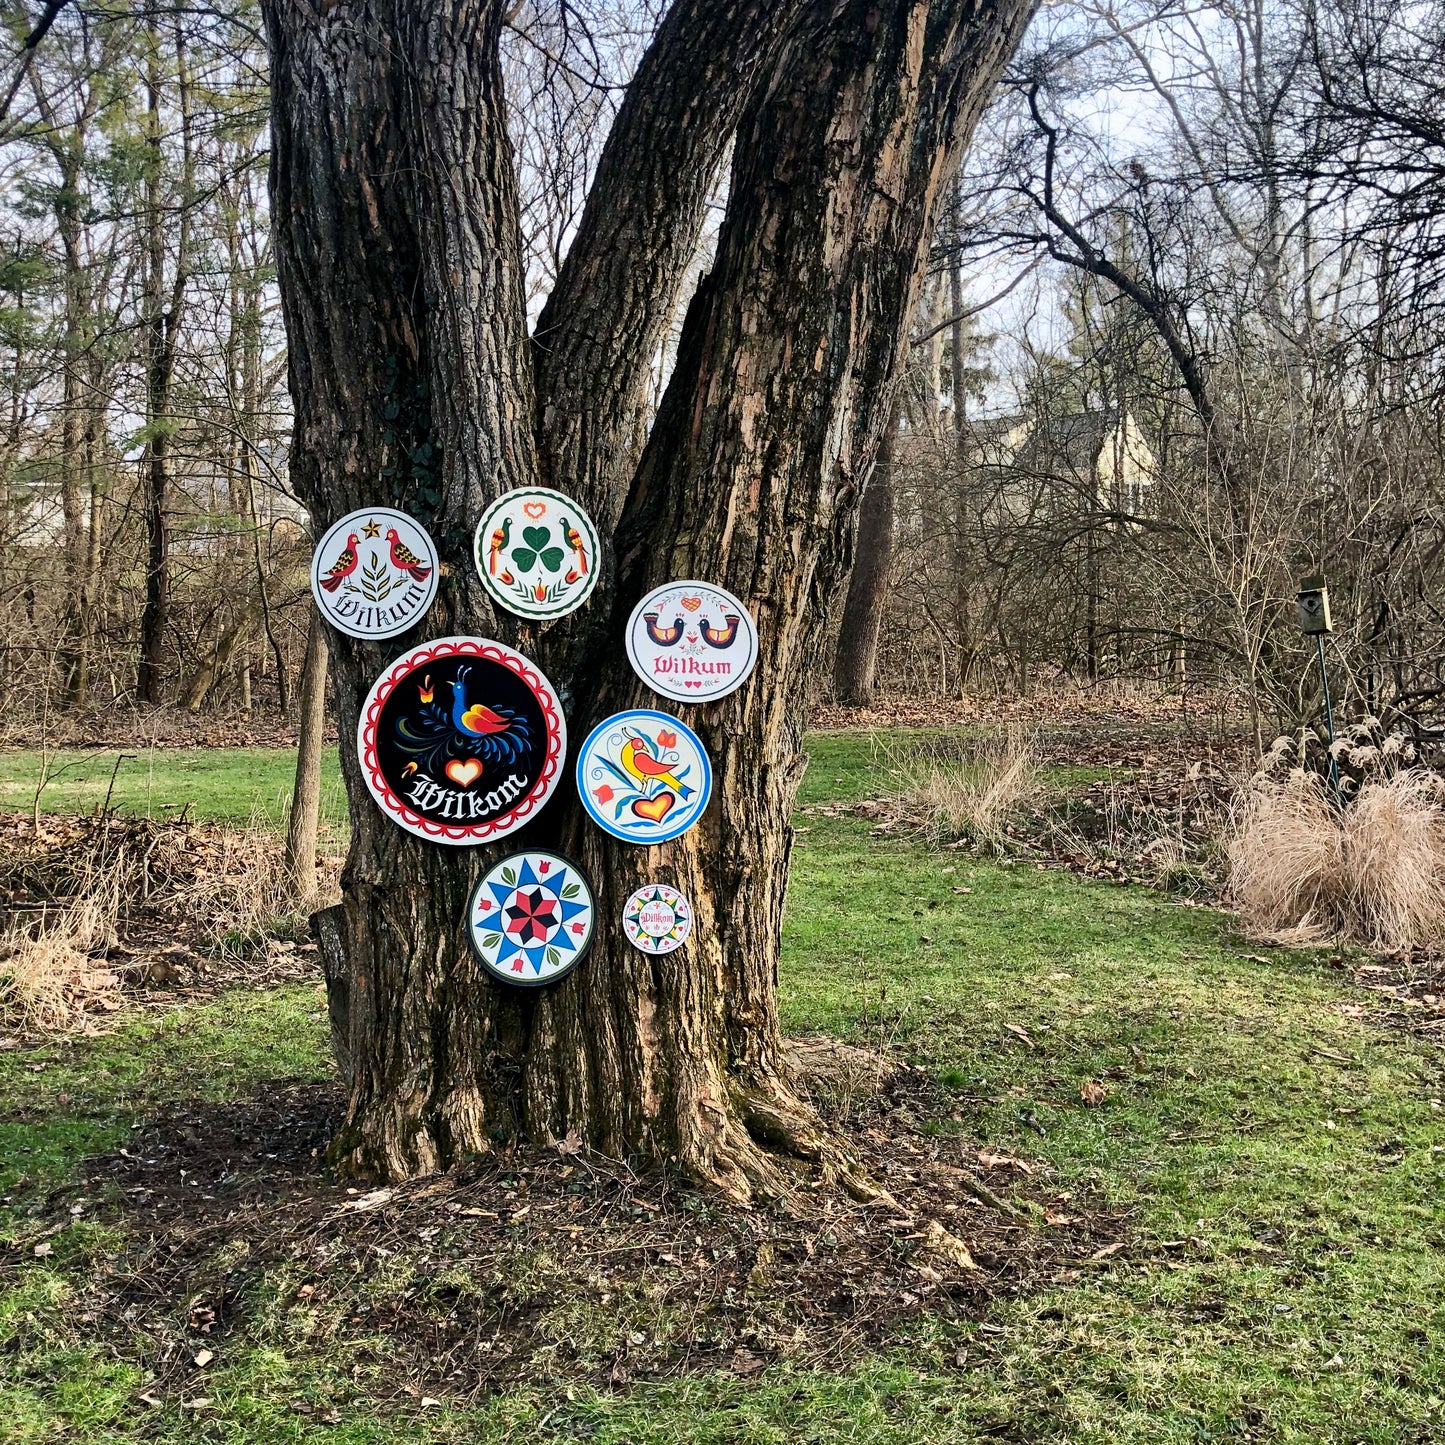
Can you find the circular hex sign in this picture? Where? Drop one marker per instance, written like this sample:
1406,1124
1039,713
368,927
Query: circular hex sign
536,552
657,919
692,641
461,740
374,574
531,918
644,777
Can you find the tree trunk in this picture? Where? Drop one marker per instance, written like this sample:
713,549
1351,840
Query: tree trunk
415,384
305,821
161,329
962,510
857,662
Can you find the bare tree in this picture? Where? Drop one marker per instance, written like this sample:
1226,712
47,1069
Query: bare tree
848,118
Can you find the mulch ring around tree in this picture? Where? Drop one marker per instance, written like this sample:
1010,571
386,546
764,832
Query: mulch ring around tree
550,1264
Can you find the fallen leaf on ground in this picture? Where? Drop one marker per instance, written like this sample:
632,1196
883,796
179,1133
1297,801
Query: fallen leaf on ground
204,1358
1092,1092
374,1200
938,1239
1003,1161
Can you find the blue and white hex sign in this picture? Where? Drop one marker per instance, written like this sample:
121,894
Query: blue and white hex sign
531,917
644,776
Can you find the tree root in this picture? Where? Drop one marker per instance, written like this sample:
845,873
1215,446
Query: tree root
771,1145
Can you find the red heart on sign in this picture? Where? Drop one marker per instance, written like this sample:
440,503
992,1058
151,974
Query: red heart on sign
692,603
654,809
464,771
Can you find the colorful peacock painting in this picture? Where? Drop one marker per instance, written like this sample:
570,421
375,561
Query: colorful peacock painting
435,736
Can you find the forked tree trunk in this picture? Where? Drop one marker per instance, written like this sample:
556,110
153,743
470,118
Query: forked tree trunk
856,669
415,384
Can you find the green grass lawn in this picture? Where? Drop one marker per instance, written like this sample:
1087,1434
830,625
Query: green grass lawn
1278,1154
216,784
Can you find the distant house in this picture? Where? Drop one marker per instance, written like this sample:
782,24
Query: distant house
1103,450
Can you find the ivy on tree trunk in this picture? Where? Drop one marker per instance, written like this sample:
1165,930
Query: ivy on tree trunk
416,385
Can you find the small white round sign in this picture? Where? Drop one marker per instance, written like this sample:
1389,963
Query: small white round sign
657,919
692,641
374,573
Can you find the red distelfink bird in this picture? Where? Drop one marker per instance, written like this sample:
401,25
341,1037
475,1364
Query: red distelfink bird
720,636
404,559
343,567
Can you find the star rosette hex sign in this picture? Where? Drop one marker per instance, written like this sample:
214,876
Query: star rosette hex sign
531,918
657,919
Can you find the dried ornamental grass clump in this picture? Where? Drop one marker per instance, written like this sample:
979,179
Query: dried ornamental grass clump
973,796
1303,870
54,974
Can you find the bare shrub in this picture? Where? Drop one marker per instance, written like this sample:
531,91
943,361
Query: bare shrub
972,791
53,974
1303,870
246,894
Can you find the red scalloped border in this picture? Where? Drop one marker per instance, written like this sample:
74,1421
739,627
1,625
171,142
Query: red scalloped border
381,789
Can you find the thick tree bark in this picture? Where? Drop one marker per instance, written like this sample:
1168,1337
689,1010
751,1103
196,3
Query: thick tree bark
414,384
856,668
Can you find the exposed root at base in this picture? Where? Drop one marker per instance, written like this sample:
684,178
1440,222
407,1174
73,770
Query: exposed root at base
774,1146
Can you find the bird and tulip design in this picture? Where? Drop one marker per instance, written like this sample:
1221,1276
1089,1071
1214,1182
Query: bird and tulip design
377,580
644,776
370,578
692,641
462,735
536,552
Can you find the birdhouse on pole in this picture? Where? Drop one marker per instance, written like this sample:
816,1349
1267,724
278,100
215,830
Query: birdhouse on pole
1313,602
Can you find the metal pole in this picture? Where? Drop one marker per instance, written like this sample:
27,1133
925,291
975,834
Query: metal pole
1329,718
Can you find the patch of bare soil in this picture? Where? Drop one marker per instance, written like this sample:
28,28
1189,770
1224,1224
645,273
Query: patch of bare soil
1405,993
550,1264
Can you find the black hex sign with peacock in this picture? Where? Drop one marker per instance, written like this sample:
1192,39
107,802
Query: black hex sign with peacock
461,740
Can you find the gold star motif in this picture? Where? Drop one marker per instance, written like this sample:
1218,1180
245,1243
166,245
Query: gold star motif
371,529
